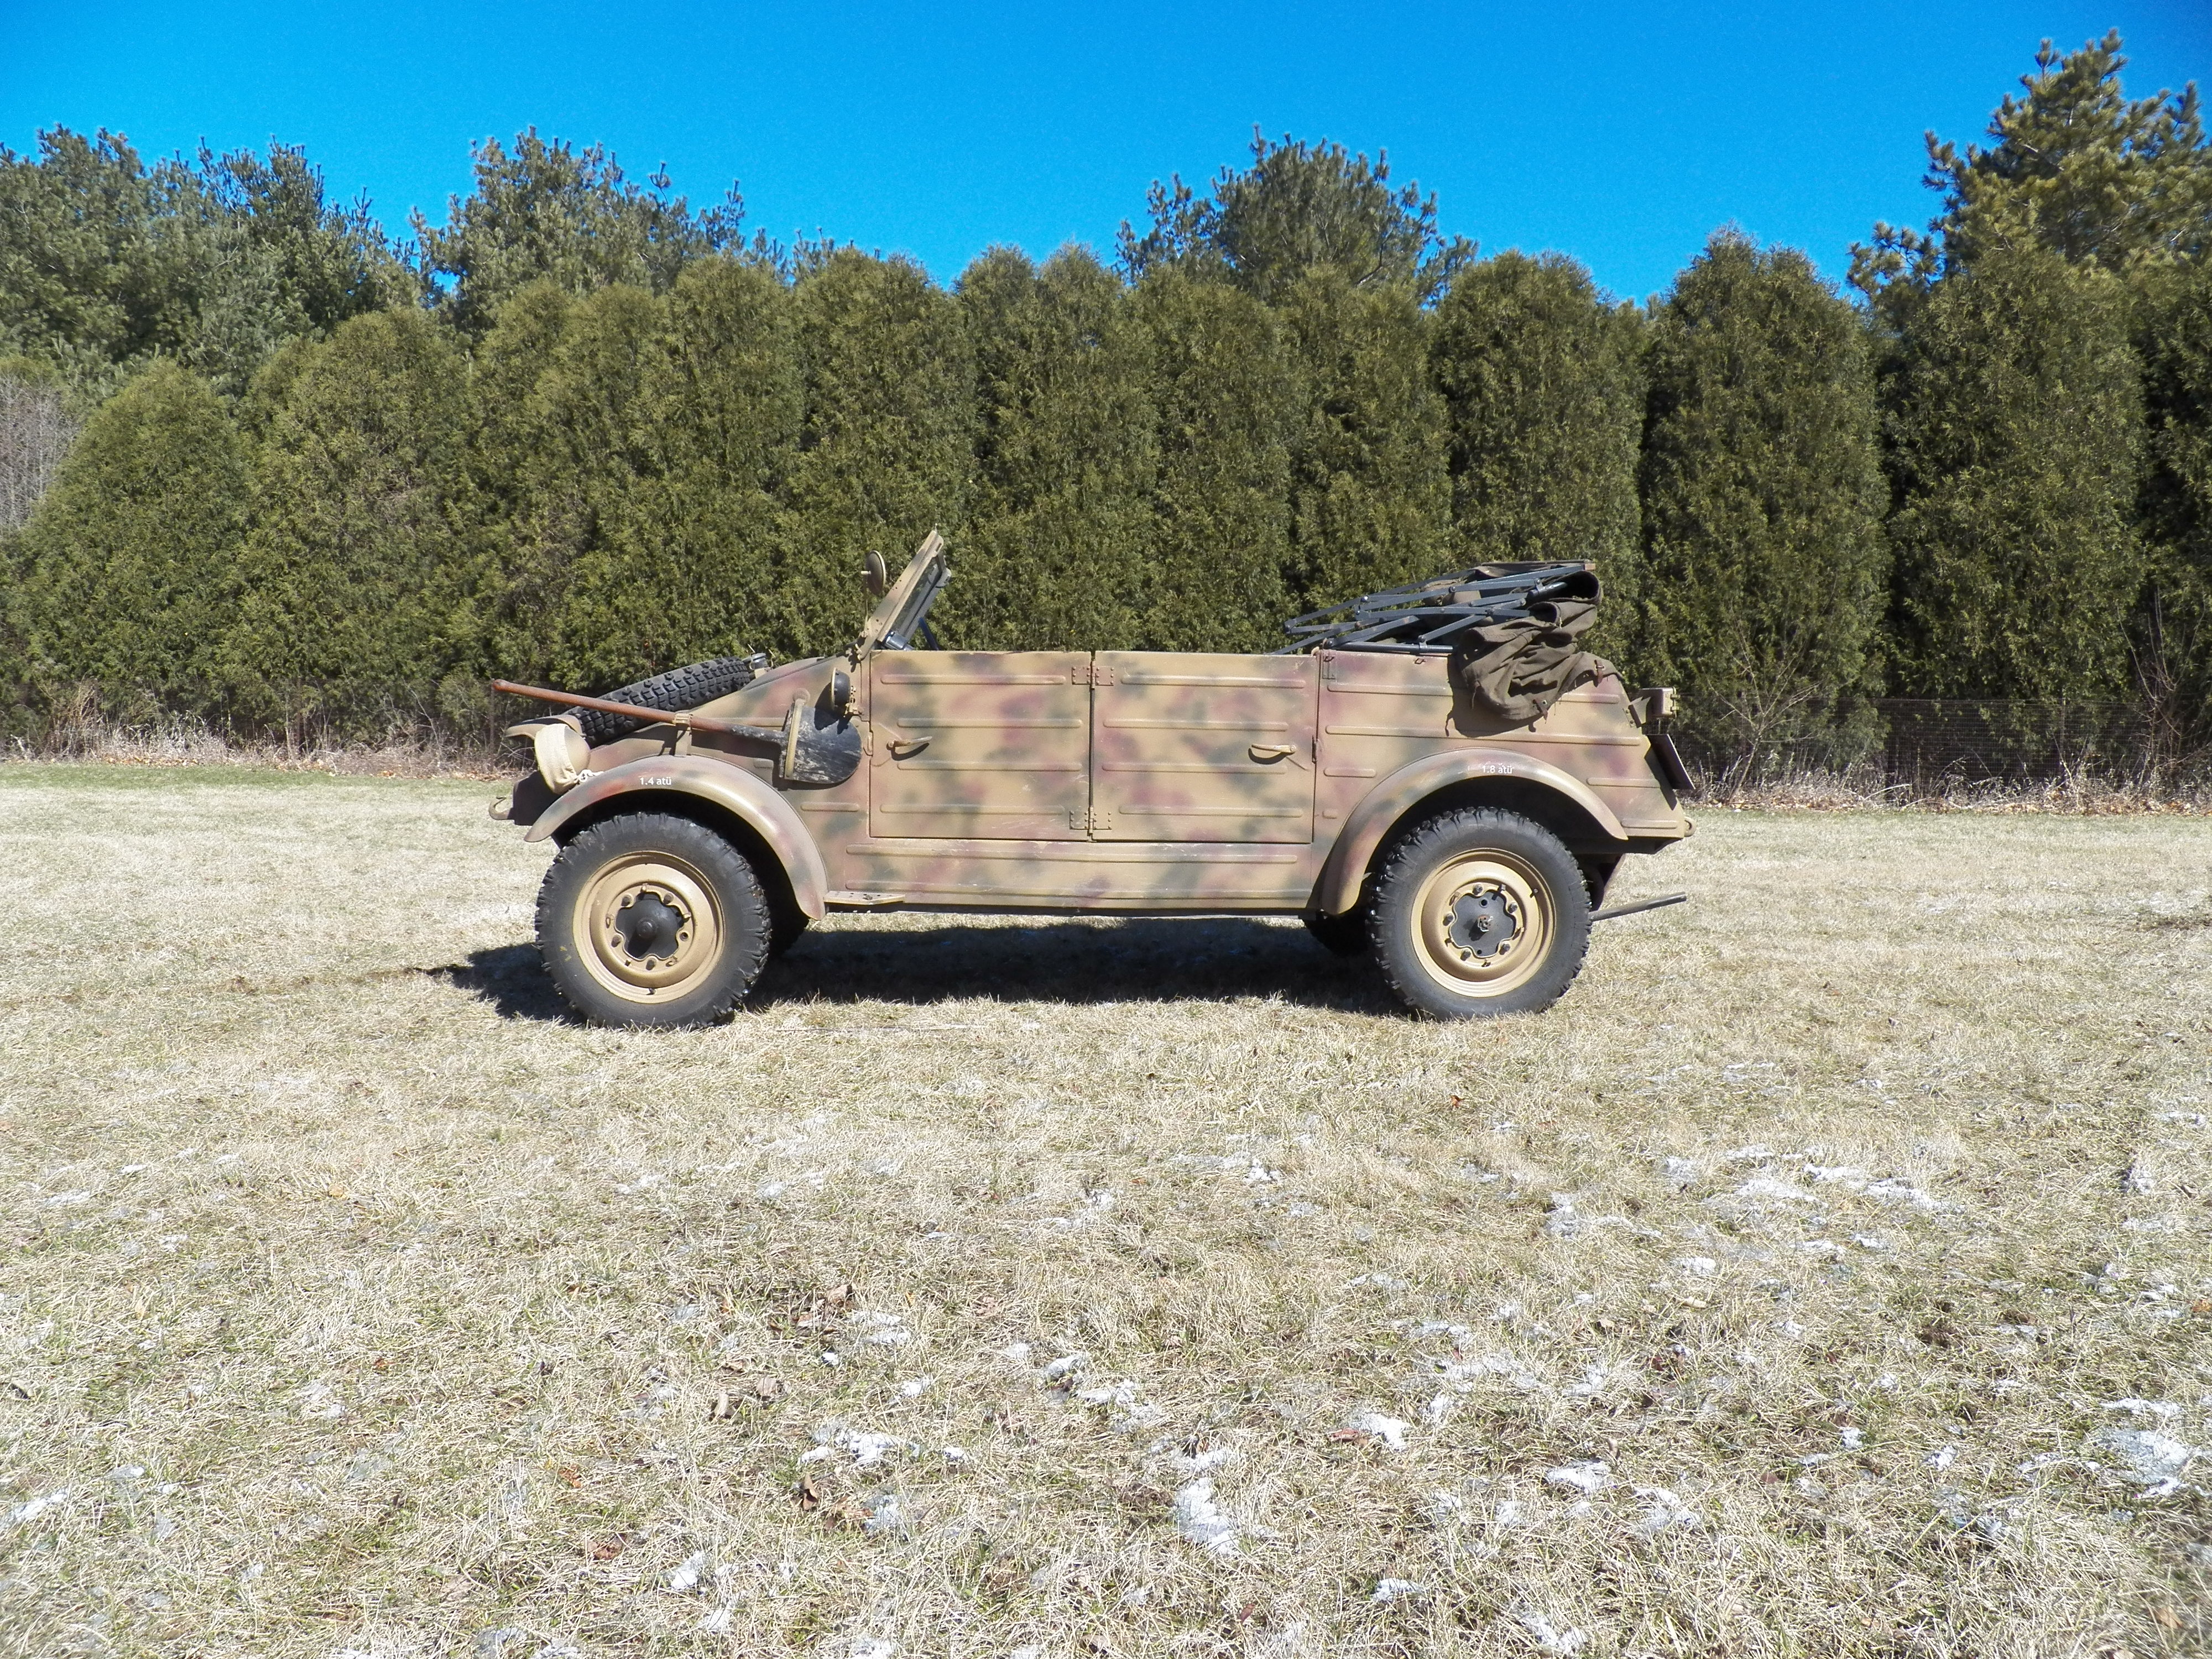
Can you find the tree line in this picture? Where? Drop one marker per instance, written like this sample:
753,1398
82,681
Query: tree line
271,470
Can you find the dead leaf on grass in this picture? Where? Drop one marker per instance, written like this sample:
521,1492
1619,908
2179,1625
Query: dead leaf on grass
606,1549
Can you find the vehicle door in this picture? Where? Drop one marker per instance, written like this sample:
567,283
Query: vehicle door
981,745
1191,746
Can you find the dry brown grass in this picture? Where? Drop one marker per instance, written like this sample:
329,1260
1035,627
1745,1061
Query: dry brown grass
350,1301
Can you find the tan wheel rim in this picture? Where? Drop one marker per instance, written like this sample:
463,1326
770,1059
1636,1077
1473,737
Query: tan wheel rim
648,928
1483,924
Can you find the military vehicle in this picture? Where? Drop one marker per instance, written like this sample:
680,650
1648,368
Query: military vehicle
1436,776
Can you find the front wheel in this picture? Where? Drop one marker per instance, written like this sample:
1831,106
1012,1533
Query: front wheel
651,920
1480,912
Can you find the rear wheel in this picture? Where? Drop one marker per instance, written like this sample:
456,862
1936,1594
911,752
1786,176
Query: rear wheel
651,920
1480,912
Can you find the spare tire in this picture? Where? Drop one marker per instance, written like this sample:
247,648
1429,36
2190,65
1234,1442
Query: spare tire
679,688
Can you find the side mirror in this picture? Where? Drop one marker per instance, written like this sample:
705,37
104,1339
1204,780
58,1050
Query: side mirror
876,577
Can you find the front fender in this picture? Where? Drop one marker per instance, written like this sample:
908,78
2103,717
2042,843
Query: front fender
1346,867
739,793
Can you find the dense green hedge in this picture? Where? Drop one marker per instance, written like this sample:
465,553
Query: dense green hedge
586,433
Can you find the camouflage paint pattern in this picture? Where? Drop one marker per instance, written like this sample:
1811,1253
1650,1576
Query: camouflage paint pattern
1145,780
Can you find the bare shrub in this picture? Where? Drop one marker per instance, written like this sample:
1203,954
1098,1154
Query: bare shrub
35,433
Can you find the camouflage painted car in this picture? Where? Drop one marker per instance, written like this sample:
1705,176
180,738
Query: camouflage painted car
1364,791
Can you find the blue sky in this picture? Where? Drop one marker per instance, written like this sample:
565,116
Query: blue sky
1622,134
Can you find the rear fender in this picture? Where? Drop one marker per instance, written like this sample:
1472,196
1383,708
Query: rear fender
637,785
1463,771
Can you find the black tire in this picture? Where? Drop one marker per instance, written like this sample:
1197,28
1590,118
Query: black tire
1344,935
1597,876
1496,883
786,923
679,688
648,879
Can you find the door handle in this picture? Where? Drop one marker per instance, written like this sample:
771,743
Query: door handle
1272,751
903,747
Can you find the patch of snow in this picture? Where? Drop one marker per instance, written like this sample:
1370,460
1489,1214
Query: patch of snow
1704,1267
684,1578
2152,1460
1768,1186
914,1388
1390,1431
1589,1477
24,1514
1201,1521
867,1447
2161,1409
1547,1637
1388,1590
1065,1365
1844,1174
1662,1509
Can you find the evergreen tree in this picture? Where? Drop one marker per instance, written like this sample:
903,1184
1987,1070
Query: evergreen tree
125,574
1227,412
1299,211
1370,491
2074,166
359,575
1057,543
105,262
887,451
2014,419
2175,624
547,211
1543,382
1761,494
1347,260
555,459
688,562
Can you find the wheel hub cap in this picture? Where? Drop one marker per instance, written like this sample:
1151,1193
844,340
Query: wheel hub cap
1483,924
648,927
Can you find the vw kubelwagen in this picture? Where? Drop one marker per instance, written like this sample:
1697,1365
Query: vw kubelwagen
705,818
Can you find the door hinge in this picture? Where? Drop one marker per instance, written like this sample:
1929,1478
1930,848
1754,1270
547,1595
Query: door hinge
1089,820
1088,673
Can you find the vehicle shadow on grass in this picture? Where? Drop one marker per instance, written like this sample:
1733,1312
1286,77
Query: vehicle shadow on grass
1087,961
1070,962
512,978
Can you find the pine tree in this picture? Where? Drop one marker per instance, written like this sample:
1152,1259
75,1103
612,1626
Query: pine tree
546,211
1227,412
359,575
1544,384
887,451
125,573
105,263
1761,493
1058,545
2014,419
2074,166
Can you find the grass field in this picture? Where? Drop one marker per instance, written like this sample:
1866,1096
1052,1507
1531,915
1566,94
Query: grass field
1830,1273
